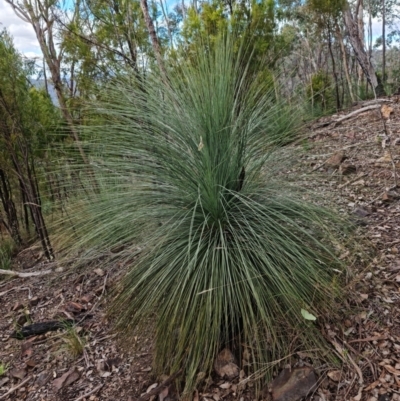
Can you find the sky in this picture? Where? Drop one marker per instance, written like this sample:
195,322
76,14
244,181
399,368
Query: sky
22,32
25,40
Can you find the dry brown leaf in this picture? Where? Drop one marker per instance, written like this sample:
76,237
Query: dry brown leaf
99,272
163,394
18,373
153,386
66,379
386,111
335,375
392,370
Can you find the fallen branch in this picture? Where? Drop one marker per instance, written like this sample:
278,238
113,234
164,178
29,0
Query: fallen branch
346,117
89,393
356,112
161,387
4,396
25,274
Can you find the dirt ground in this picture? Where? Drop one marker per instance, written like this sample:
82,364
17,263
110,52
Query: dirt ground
354,160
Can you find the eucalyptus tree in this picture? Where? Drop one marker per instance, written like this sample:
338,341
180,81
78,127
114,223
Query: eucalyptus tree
44,17
353,19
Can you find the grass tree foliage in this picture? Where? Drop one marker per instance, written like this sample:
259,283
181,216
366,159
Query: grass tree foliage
229,254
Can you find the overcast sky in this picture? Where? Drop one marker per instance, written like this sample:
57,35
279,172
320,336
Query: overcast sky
23,34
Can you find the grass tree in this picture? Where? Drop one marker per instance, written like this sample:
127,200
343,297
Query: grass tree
229,253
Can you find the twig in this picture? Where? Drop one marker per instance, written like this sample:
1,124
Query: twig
342,353
23,275
159,388
104,285
17,288
353,180
90,392
14,388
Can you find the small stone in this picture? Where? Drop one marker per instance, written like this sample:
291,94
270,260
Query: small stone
360,212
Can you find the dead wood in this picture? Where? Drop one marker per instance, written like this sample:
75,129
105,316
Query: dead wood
90,392
40,328
4,396
373,106
25,274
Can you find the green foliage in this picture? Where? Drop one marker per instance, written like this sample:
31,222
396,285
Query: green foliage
320,91
74,342
7,248
328,7
3,368
229,254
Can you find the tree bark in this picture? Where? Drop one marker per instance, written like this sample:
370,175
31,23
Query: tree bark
360,53
345,65
154,39
383,41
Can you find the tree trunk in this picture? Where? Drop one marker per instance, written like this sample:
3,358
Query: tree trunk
334,69
383,41
154,39
345,65
360,53
9,208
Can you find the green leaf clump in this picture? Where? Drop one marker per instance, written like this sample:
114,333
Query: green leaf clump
221,251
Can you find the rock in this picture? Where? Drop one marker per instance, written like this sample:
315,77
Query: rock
360,212
291,385
225,365
335,160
